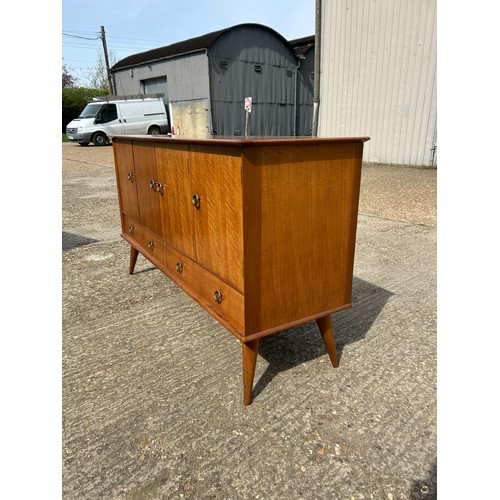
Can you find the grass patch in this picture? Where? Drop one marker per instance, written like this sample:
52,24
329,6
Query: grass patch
65,138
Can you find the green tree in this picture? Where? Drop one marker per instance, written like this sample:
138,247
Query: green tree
98,75
68,80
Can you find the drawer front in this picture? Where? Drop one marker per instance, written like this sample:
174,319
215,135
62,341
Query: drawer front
148,243
217,297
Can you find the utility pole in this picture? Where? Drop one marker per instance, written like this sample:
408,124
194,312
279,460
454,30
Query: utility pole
106,58
317,68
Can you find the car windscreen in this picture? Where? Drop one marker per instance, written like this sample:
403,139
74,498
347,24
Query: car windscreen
90,110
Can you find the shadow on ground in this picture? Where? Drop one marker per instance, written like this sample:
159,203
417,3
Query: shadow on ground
70,240
426,489
302,343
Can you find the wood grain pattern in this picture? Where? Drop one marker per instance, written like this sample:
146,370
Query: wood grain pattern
176,208
298,214
148,199
277,223
201,285
133,259
216,178
146,242
249,355
271,242
125,178
250,141
326,328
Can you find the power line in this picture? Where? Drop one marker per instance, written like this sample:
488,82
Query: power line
94,32
136,39
82,37
116,39
119,44
112,37
79,45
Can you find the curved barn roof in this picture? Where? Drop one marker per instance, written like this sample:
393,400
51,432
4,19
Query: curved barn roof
185,47
302,45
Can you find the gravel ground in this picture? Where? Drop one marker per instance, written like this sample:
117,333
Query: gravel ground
152,390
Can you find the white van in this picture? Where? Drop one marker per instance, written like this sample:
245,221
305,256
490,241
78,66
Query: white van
105,117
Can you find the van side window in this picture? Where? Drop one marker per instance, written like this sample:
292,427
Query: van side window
109,113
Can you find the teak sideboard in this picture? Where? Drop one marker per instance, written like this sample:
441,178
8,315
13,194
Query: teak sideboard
259,231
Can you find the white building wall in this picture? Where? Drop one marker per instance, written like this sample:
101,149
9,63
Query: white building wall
378,77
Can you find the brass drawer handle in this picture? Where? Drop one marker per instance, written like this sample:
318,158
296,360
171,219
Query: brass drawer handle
218,296
152,184
130,176
159,188
131,229
179,267
151,245
196,200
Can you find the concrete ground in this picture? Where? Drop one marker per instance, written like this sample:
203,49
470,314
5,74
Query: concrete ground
152,389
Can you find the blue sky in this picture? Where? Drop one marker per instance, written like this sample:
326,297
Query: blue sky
134,26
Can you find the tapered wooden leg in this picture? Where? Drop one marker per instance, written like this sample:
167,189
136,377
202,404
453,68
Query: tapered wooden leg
133,259
249,351
326,329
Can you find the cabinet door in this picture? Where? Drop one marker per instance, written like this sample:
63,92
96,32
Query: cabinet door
126,178
149,192
218,219
176,209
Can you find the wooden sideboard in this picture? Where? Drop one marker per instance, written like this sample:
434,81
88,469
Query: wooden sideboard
259,231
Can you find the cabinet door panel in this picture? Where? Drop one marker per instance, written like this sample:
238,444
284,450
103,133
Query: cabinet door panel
126,179
216,179
148,198
176,209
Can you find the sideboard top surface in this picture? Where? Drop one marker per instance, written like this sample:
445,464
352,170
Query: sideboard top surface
243,141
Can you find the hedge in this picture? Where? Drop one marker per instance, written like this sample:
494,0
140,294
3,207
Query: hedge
74,101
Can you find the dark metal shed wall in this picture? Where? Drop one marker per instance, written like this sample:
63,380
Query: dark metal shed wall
234,59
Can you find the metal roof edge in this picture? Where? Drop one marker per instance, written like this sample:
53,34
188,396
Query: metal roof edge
145,63
205,41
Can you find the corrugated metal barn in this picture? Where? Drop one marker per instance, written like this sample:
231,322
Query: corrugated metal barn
206,79
378,77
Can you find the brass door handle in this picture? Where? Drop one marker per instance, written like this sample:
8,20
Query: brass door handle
157,187
179,267
131,229
130,176
196,200
151,245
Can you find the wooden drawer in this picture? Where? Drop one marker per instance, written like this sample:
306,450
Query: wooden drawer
147,242
220,299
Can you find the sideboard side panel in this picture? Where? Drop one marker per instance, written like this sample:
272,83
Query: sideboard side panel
300,213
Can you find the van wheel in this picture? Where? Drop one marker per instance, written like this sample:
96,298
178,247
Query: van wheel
154,131
100,139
